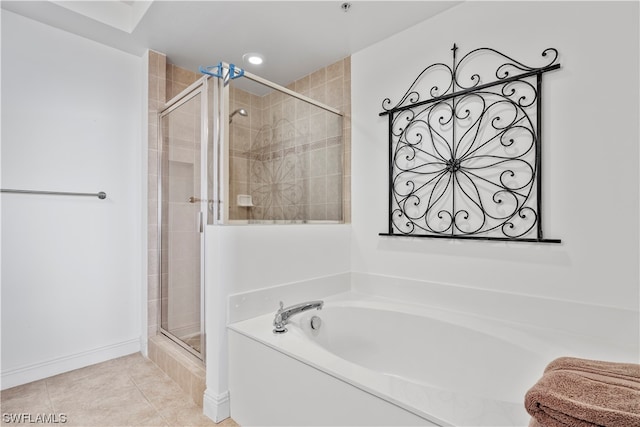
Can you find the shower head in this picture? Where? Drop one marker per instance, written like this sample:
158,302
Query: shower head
240,111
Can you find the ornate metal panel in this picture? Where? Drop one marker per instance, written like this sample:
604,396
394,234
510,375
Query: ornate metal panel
465,154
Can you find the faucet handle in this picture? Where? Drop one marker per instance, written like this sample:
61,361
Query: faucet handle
278,322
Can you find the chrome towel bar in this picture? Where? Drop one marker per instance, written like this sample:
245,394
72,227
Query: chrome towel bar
100,195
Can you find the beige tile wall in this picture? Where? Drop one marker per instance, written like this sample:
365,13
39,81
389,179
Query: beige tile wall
184,368
289,155
178,79
242,132
157,98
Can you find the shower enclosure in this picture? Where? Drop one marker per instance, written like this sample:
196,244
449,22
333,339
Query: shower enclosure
237,149
181,221
285,158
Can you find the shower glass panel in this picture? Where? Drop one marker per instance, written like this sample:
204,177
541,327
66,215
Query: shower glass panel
285,157
181,222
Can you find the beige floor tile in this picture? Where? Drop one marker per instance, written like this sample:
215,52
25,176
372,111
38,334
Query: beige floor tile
130,391
185,416
164,391
143,373
32,421
31,399
23,395
129,397
34,389
88,378
137,413
28,399
229,422
88,371
86,391
140,416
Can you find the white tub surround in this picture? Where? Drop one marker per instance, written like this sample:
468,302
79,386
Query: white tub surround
247,305
382,361
263,393
614,326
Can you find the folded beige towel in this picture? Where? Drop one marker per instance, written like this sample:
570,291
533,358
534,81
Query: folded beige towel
629,371
585,393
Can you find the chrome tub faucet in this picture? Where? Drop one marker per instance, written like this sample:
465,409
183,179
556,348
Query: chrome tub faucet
283,314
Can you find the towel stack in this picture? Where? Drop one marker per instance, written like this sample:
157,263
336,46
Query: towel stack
584,393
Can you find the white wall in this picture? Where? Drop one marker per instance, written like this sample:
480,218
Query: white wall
252,257
590,150
259,256
71,121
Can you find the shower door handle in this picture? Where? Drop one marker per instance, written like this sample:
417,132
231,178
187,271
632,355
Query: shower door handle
194,199
201,222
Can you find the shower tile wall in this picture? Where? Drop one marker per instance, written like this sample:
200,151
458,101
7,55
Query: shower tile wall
289,155
157,98
178,79
242,132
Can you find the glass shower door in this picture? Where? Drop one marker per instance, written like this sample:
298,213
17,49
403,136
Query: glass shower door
181,223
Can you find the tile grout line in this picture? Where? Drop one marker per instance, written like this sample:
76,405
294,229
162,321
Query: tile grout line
166,422
46,387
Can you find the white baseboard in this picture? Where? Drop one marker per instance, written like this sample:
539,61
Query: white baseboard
216,407
38,371
144,345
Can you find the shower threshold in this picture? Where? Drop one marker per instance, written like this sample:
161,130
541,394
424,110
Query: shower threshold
191,343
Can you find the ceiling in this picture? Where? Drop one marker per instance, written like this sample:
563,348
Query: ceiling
295,37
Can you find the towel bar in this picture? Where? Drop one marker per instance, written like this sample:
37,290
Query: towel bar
100,195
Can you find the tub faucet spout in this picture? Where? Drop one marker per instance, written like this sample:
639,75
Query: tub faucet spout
283,314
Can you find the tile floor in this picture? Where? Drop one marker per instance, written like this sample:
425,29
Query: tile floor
128,391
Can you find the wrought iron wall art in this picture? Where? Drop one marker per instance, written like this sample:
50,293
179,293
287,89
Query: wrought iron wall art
465,152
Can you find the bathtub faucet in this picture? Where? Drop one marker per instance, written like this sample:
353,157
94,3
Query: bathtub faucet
283,314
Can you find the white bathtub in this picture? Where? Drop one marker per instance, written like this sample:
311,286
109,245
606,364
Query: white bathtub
411,364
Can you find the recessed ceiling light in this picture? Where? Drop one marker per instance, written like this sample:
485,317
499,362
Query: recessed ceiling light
253,58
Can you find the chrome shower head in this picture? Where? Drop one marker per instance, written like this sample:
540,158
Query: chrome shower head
240,111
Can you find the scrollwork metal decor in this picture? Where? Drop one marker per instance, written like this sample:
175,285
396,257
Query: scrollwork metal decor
465,161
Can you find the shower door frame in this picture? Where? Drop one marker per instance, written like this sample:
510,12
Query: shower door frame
199,87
